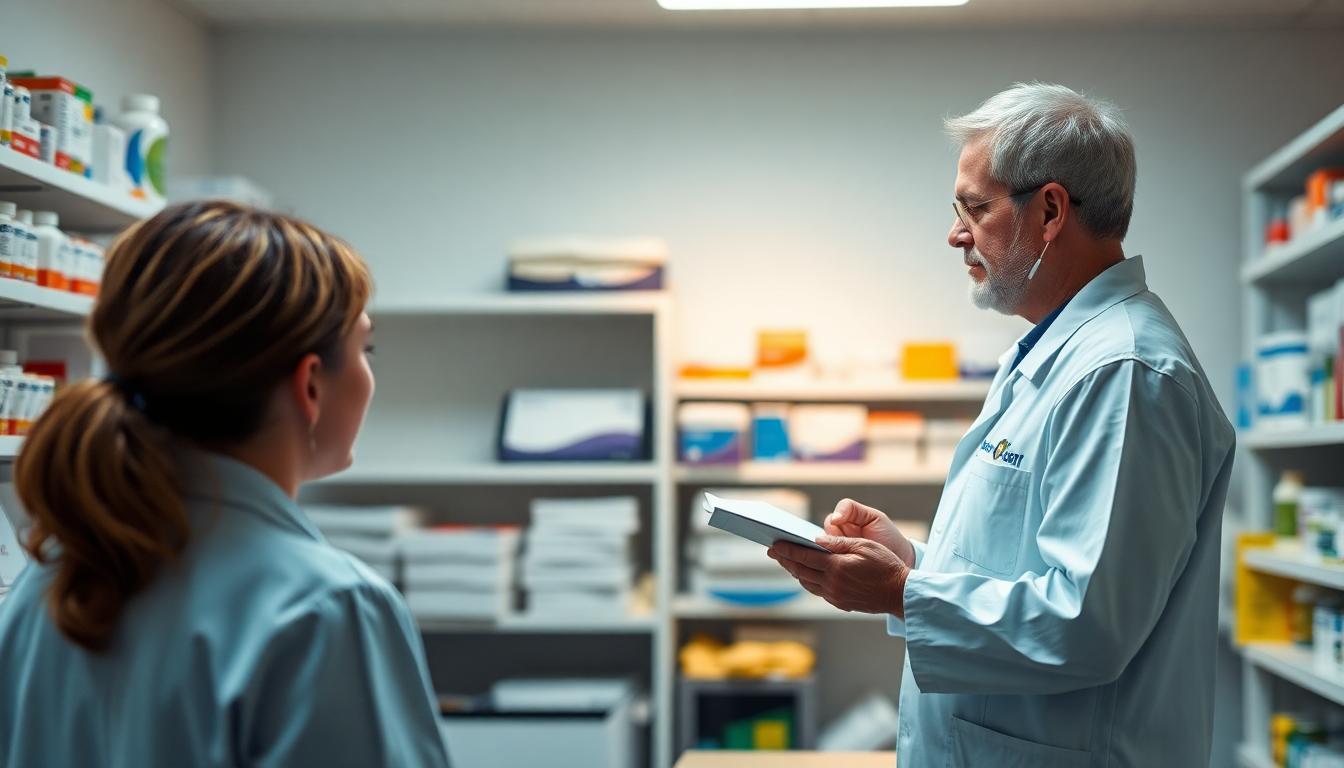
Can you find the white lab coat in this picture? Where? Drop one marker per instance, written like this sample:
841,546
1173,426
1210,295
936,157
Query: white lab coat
1064,610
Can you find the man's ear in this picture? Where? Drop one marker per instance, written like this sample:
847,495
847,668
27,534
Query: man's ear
1056,210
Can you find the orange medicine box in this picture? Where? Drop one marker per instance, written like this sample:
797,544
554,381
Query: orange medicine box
779,349
929,361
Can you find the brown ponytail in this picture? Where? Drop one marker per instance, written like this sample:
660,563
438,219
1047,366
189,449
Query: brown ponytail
204,309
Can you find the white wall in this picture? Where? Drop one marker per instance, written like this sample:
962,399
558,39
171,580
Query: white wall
116,47
800,179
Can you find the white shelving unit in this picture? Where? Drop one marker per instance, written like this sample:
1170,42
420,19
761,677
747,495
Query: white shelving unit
1294,664
9,448
841,635
25,301
1289,560
533,323
1276,282
83,205
1309,437
1310,259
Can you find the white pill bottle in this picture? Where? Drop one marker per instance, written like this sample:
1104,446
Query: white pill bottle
146,145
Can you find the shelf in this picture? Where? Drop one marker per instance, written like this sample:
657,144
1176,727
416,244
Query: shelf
893,391
488,473
1288,560
805,607
611,303
1294,664
521,624
9,448
1307,437
1314,259
766,473
25,301
1252,757
84,205
1286,170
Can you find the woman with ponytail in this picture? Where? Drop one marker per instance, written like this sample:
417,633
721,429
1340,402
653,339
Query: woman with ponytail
180,609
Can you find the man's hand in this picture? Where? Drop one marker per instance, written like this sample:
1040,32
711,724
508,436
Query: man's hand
855,575
856,521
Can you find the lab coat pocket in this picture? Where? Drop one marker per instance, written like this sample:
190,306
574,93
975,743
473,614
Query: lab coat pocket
975,746
989,516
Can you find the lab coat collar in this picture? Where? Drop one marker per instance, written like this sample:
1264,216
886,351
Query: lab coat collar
219,480
1119,282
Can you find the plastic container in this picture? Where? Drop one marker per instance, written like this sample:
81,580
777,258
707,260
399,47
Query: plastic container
1287,498
1305,598
109,158
11,239
26,268
10,374
87,271
1317,517
53,253
1277,232
146,145
7,91
1282,379
7,114
1323,634
25,134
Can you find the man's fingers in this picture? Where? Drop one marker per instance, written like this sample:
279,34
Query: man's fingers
799,571
840,545
800,554
849,510
814,588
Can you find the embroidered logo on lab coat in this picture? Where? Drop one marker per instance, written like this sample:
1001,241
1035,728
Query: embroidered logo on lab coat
999,454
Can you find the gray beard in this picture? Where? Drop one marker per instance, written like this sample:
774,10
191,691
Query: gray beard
1003,288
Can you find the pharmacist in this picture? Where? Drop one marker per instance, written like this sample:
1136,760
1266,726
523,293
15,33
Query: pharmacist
1064,610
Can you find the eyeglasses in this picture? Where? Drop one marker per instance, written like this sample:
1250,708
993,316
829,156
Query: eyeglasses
963,210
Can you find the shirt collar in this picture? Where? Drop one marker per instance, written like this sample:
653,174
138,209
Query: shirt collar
213,478
1119,282
1025,345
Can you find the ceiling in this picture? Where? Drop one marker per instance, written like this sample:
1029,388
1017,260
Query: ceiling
647,13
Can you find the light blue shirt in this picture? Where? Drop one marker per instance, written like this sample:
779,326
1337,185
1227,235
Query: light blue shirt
262,645
1064,611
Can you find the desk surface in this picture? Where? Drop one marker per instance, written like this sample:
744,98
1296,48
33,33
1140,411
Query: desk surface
761,759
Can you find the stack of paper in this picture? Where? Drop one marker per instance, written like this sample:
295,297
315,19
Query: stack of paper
578,560
369,533
724,565
597,694
460,572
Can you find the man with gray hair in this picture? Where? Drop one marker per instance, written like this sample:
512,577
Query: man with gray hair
1064,611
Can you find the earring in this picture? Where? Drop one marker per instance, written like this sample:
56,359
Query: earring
312,439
